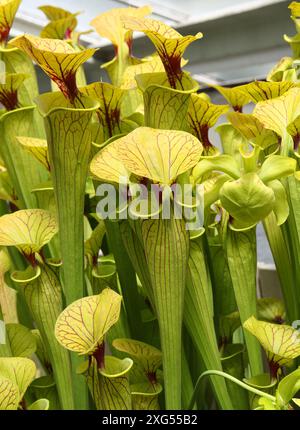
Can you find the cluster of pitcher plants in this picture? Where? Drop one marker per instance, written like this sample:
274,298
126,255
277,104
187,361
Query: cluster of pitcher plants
108,301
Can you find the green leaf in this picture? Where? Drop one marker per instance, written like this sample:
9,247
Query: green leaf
247,199
165,154
24,170
114,384
271,309
20,371
235,96
110,100
133,99
145,356
294,42
281,342
83,324
276,114
18,62
59,60
247,124
170,44
261,90
220,163
93,244
224,299
287,388
277,72
232,140
41,351
40,405
7,192
58,28
263,381
110,26
277,167
45,388
151,65
281,207
8,10
252,129
160,155
203,115
21,340
29,230
91,373
9,395
266,404
9,89
54,13
296,401
8,296
228,324
37,147
166,107
145,396
107,166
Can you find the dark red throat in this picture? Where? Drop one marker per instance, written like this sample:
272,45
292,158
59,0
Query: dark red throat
99,355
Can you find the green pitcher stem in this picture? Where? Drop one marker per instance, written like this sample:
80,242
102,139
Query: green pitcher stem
127,279
44,299
292,232
133,244
278,237
187,382
242,262
69,142
198,317
166,245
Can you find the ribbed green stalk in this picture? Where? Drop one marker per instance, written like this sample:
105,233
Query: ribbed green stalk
292,231
69,142
43,295
224,299
135,250
187,382
281,253
198,317
241,255
166,245
127,279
